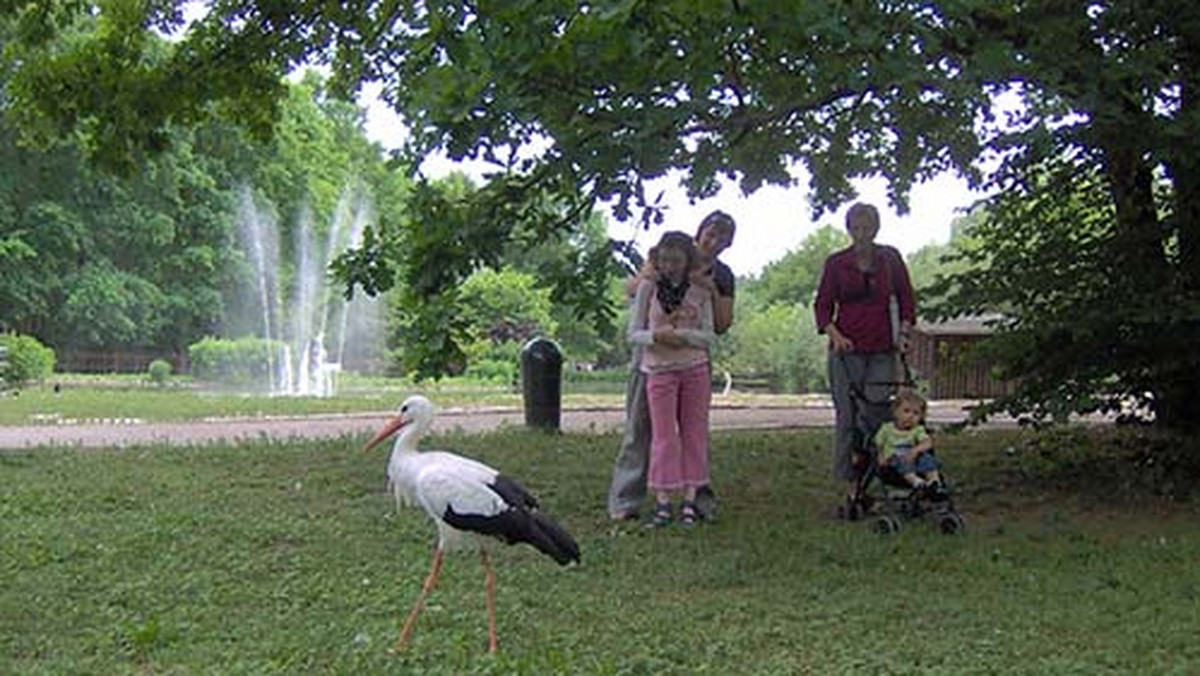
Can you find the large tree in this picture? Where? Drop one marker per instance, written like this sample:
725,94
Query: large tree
578,101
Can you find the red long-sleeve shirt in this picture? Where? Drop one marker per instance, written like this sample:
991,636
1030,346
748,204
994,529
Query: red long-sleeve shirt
857,302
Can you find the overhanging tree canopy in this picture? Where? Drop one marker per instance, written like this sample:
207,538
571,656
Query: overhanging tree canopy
579,101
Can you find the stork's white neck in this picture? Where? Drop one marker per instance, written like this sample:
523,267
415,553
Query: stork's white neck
406,440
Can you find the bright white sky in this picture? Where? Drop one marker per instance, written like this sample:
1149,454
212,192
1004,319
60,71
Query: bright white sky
771,222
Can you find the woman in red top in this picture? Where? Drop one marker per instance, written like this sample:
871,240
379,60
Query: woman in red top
866,329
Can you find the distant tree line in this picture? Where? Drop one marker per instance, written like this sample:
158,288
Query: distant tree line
148,258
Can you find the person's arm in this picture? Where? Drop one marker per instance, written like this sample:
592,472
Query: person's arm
905,297
840,342
882,448
718,281
722,311
824,307
704,280
924,443
704,335
722,303
632,283
638,332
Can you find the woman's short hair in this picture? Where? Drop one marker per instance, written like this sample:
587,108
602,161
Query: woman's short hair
863,209
717,219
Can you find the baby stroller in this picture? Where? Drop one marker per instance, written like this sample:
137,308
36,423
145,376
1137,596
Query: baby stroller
881,494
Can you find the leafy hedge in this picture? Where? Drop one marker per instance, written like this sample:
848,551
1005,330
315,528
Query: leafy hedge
616,376
159,372
236,362
28,359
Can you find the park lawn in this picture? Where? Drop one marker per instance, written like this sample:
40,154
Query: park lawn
129,399
288,558
70,405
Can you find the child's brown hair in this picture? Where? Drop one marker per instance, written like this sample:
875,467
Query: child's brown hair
907,396
675,239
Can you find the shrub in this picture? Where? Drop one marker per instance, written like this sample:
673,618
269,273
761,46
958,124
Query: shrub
159,371
235,362
28,359
612,376
490,362
502,371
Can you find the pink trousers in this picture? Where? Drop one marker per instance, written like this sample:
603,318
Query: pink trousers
679,404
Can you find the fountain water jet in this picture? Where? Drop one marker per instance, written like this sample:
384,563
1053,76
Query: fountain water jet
316,312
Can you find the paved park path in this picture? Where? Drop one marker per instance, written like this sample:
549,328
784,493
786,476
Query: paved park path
468,420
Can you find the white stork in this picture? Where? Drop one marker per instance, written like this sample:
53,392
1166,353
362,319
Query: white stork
472,504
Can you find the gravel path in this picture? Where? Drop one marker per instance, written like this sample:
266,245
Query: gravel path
474,420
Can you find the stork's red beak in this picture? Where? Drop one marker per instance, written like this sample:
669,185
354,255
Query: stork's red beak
388,430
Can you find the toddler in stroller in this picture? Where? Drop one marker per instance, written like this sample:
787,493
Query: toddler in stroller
903,446
900,455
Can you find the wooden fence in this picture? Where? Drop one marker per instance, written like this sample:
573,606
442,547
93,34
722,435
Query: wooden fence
941,356
117,361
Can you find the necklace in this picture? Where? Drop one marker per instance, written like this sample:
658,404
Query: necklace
669,295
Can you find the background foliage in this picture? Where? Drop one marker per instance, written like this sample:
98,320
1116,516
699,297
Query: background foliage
26,359
246,361
574,103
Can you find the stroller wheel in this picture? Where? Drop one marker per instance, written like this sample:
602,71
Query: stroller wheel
886,525
951,523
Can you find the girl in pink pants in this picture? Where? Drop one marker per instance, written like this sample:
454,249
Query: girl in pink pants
672,320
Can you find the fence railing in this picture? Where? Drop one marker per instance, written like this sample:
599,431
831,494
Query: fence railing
117,361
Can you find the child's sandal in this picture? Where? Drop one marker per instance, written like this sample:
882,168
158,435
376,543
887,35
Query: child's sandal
687,514
661,517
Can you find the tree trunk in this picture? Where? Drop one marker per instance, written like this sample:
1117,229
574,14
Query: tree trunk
1179,399
1139,255
1184,166
1178,404
1138,244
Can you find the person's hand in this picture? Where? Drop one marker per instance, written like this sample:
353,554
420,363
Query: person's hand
704,281
840,342
646,271
667,336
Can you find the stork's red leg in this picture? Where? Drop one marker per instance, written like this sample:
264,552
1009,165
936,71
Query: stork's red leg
431,580
490,586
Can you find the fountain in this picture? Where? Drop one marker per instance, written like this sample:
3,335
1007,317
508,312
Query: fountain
312,349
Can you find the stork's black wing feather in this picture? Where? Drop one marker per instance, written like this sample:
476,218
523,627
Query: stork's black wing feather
521,522
512,492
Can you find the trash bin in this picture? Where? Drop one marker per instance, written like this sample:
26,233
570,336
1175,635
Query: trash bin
541,383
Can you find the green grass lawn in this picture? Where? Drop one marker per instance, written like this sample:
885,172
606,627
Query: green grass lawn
88,401
129,397
288,558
